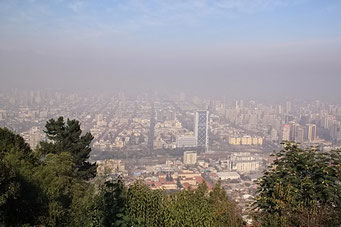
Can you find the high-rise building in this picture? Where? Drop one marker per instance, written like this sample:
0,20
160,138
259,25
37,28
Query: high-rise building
159,116
190,157
311,132
279,110
286,132
293,130
327,122
299,137
335,131
201,128
240,105
288,107
274,134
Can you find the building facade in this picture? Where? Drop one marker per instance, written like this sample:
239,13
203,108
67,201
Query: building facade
311,132
286,132
201,128
190,157
186,141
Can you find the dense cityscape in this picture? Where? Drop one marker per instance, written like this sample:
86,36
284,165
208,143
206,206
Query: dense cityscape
178,141
181,113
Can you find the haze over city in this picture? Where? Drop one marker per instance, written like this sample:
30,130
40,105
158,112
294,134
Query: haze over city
236,48
170,113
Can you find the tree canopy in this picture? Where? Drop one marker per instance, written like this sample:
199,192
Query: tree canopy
301,188
10,140
67,137
43,188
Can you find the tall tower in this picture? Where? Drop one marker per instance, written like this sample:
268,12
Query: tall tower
311,132
299,137
288,107
201,128
293,130
286,132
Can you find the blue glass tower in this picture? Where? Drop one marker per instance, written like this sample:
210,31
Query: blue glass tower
201,128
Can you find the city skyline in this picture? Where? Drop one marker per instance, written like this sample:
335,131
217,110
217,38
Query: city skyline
175,143
170,113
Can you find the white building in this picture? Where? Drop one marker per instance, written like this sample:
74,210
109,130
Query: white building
286,132
186,141
246,166
190,157
245,162
33,137
228,175
109,166
311,132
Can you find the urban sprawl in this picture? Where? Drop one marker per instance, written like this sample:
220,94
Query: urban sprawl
178,141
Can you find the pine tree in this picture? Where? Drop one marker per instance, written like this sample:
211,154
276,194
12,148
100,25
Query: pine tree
67,137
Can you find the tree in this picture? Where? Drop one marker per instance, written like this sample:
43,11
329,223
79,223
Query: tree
39,189
111,204
145,206
56,177
197,207
301,188
10,140
20,195
191,208
82,205
226,213
10,188
67,137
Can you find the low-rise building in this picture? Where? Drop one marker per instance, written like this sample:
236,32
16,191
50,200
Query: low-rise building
228,175
109,166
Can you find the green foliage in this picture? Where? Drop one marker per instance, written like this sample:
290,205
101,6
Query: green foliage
10,140
56,177
81,209
146,207
10,188
110,205
192,208
225,211
202,208
20,195
45,189
38,190
67,137
298,184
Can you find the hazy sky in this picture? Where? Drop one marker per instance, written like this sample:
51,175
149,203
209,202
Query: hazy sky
231,47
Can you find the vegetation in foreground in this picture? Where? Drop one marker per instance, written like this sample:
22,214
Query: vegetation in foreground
301,188
50,186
